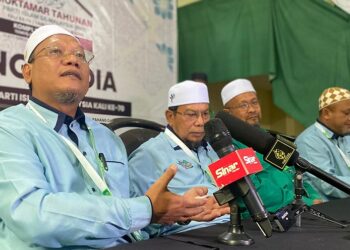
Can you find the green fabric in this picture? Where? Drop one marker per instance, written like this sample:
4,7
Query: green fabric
312,47
214,38
303,44
276,187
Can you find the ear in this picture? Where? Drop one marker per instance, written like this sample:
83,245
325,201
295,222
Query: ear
327,113
169,115
27,72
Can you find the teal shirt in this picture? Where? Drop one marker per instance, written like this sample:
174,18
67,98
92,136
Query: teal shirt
149,161
276,187
320,148
47,200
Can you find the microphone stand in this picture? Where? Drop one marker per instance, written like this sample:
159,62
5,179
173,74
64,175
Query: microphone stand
235,235
290,214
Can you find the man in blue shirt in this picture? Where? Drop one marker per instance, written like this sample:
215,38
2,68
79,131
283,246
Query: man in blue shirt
182,143
63,176
326,143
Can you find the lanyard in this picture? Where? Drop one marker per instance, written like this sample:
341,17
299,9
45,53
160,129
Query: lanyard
182,145
95,177
98,181
188,152
326,133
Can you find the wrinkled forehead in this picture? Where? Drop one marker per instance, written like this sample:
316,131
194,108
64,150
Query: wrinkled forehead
59,40
194,107
244,97
340,105
40,35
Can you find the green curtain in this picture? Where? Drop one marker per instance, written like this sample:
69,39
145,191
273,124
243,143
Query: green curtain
225,39
312,48
303,44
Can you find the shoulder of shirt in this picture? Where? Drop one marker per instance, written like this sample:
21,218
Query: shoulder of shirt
14,114
153,141
310,131
155,144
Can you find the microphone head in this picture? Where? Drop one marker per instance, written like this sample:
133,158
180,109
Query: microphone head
251,136
217,134
258,139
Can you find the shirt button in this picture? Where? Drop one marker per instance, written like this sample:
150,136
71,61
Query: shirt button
93,189
84,153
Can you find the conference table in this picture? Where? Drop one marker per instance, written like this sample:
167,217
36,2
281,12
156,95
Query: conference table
314,233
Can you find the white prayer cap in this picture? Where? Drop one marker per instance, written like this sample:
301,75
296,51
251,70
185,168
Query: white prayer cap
187,92
332,95
39,35
235,88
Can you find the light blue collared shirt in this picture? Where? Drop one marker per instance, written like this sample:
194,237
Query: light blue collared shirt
148,162
320,150
47,199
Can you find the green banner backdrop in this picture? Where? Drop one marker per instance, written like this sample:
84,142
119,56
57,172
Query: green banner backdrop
303,44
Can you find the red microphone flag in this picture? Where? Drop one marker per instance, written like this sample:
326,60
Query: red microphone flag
234,166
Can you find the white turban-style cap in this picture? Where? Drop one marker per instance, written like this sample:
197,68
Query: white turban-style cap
187,92
39,35
235,88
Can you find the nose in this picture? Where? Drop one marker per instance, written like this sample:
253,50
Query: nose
252,108
71,59
200,120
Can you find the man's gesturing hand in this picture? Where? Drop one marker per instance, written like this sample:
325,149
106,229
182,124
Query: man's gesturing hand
169,207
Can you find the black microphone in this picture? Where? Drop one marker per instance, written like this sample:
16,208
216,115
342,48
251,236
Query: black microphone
221,141
277,151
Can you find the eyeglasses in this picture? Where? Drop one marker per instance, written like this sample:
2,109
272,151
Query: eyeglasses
192,116
58,52
245,105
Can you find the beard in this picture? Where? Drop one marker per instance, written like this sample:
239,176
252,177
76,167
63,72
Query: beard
67,97
193,145
257,125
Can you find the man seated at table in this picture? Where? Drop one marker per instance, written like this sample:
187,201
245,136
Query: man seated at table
63,176
274,186
182,143
326,143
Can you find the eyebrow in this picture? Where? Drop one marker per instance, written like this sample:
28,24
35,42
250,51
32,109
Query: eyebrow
252,100
196,110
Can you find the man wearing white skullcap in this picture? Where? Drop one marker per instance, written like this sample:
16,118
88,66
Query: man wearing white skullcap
239,99
275,187
64,177
182,143
326,143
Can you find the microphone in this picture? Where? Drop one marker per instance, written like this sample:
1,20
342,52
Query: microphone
230,174
276,150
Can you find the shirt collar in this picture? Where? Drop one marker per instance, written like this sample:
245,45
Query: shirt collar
204,144
330,133
56,118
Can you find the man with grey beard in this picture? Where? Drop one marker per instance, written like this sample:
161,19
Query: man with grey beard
182,143
274,186
63,176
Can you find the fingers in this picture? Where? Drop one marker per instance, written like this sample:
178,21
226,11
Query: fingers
195,197
160,186
166,177
211,211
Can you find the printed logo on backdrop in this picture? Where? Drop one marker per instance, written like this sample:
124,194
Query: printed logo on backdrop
134,42
18,19
168,53
164,8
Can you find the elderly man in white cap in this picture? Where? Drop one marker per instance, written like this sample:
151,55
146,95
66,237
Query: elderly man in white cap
275,187
240,100
64,177
182,143
326,143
